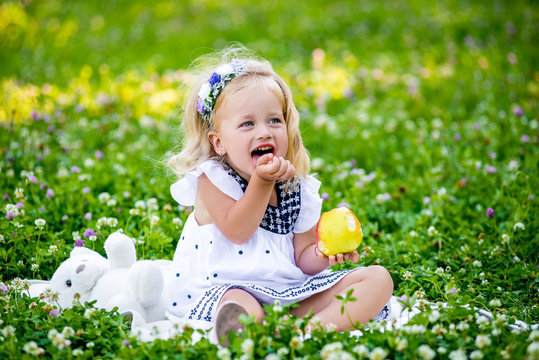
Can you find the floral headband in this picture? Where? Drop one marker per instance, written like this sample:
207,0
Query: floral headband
210,90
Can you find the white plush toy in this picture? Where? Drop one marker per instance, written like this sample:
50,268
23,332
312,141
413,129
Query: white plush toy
116,281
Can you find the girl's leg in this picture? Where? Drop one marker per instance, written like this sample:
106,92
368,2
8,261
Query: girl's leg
372,287
234,303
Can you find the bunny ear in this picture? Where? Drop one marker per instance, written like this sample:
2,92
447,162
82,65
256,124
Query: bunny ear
85,253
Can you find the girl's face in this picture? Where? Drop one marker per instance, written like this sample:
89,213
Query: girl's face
251,123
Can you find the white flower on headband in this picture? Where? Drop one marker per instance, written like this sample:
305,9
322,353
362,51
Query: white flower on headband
210,90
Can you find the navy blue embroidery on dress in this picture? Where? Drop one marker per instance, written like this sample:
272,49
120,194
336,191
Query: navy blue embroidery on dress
278,219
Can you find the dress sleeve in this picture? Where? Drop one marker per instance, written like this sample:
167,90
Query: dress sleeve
311,205
184,190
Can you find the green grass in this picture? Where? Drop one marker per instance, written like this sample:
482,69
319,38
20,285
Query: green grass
419,116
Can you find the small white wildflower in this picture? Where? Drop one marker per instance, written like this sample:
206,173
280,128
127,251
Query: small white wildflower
68,331
133,212
434,316
432,231
426,352
331,327
40,223
224,354
140,204
53,249
413,234
35,267
402,344
407,275
317,163
462,326
271,356
505,239
476,355
513,165
382,198
2,239
19,193
154,220
8,331
457,355
534,335
295,342
495,303
442,350
516,258
103,197
496,331
533,350
177,222
101,222
247,346
89,163
420,294
362,350
519,226
112,222
152,204
378,354
111,202
439,330
62,173
283,351
77,352
477,263
482,341
439,271
442,192
90,344
330,348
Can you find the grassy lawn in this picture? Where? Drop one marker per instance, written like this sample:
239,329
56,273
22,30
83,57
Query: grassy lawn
421,116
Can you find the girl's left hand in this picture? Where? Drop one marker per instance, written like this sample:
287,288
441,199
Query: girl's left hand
340,258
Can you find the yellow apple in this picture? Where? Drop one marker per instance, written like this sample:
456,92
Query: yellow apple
338,231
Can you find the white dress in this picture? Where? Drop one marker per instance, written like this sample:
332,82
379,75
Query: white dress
206,264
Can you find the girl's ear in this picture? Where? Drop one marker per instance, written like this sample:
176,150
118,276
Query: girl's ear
215,140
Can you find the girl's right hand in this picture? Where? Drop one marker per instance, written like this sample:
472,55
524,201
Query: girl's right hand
271,168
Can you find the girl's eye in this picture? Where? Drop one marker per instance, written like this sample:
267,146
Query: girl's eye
247,123
275,121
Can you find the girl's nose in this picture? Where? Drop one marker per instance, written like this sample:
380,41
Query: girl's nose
263,132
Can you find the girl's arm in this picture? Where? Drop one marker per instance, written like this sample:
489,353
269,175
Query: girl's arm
238,220
310,260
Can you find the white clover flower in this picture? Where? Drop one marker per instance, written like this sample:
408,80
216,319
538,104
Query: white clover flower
434,316
317,164
140,204
462,326
439,271
407,275
482,341
415,329
76,235
362,350
68,331
457,355
283,351
19,193
476,355
224,354
477,263
2,239
8,331
62,173
495,303
111,202
35,267
154,220
432,231
112,222
177,222
53,249
505,239
516,258
12,208
103,197
534,335
419,294
442,192
402,344
40,223
496,331
225,69
330,348
426,352
89,163
90,344
413,234
378,354
270,356
152,204
247,346
442,350
77,352
519,226
382,198
533,350
92,238
133,212
513,165
439,329
331,327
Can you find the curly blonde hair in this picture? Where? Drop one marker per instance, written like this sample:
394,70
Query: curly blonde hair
196,146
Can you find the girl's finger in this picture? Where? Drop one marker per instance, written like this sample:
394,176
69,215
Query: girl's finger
340,258
264,159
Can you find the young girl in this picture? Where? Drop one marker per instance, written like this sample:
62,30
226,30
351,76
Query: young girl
251,239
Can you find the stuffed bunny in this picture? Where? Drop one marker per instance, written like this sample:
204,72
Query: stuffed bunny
116,281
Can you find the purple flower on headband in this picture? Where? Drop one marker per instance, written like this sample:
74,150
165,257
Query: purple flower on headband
214,79
200,106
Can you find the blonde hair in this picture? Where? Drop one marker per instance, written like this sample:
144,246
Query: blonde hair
196,147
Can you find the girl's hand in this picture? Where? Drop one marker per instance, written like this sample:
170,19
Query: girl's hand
271,168
340,258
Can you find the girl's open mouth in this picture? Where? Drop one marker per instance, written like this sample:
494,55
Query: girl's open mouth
261,151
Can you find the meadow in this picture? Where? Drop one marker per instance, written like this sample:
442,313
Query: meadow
422,117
